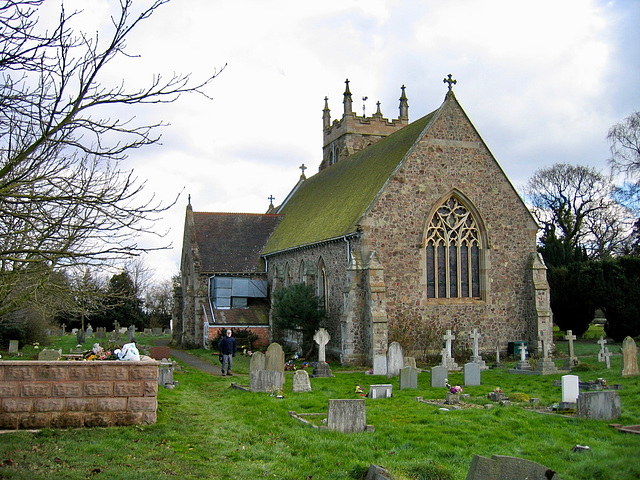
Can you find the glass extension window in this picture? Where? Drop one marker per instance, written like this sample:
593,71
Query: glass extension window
453,252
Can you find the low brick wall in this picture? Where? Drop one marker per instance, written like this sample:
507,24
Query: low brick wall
61,394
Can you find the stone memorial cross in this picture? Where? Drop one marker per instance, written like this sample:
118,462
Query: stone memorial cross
570,337
607,357
523,352
475,336
602,342
321,337
448,338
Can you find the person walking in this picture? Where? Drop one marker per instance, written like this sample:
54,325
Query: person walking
227,348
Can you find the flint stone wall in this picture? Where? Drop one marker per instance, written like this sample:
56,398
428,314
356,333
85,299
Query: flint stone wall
63,394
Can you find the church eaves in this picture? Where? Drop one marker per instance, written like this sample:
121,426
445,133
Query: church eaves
330,204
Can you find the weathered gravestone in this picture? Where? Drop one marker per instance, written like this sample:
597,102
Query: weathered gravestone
347,415
395,359
545,364
384,390
379,364
439,375
131,333
101,332
500,467
607,357
408,378
13,346
572,361
80,336
602,342
47,355
447,353
629,358
570,391
274,358
603,405
257,362
476,357
301,382
472,373
266,372
156,331
165,373
376,472
89,332
322,369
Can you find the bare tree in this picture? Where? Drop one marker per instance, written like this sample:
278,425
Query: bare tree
576,203
64,199
624,138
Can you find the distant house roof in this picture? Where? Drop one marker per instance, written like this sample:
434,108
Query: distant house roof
331,203
232,242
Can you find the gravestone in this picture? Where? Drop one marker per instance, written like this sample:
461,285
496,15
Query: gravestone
545,364
89,332
602,342
376,472
472,373
80,336
629,358
498,363
13,346
607,357
381,391
47,355
165,373
156,331
410,362
603,405
447,352
395,359
347,415
321,337
158,353
408,378
476,357
257,362
131,333
379,364
301,382
570,391
500,467
523,364
274,358
439,375
266,380
572,361
101,332
147,331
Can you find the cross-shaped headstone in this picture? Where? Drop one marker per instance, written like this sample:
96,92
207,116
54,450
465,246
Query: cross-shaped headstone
570,337
303,168
321,337
602,342
448,79
498,354
64,326
523,352
475,336
607,354
448,338
543,342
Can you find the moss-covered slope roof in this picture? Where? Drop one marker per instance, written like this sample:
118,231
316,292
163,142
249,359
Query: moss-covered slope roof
330,203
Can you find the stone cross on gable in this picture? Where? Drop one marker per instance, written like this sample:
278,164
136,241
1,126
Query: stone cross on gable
475,336
321,337
569,336
271,198
448,79
448,338
303,168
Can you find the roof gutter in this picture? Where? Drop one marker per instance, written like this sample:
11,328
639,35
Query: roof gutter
312,245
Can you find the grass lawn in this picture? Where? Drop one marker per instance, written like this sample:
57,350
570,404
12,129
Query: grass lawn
207,430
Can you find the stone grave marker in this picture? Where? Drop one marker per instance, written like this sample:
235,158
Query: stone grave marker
156,331
379,364
158,353
101,332
80,336
257,362
572,361
545,365
603,405
301,382
13,346
500,467
384,390
347,415
49,355
89,332
274,358
607,357
629,358
165,373
472,373
447,352
476,357
395,359
322,337
602,342
523,365
376,472
439,375
498,363
266,380
570,391
410,362
131,333
147,331
408,378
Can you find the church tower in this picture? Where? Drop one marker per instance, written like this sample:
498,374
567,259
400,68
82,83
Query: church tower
353,133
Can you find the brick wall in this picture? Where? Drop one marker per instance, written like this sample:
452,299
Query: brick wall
38,394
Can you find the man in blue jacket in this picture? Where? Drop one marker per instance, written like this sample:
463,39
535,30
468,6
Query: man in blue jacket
227,349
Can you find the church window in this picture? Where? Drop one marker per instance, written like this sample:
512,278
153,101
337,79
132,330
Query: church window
453,252
302,272
287,275
322,285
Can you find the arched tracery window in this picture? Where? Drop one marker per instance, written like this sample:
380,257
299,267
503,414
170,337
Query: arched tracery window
453,252
322,285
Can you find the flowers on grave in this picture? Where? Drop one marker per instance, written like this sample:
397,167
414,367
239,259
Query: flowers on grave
359,390
452,389
290,365
276,392
36,345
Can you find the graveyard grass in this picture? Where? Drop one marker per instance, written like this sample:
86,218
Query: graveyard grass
208,430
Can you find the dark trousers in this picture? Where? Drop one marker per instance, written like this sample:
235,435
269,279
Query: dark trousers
226,363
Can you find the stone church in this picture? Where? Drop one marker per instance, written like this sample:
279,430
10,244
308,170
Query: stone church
409,227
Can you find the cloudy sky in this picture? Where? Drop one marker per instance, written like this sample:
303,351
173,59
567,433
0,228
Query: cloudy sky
542,81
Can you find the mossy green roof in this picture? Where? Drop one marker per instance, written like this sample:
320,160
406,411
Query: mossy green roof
331,203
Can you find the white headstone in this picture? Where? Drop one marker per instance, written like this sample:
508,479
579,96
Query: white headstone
471,373
395,360
570,388
379,364
448,337
301,382
321,337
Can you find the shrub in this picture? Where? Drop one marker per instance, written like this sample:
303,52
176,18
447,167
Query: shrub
519,398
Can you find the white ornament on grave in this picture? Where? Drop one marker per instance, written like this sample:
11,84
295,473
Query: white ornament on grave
321,337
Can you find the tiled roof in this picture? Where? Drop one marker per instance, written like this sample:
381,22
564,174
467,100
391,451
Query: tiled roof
332,202
233,242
